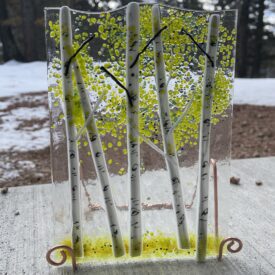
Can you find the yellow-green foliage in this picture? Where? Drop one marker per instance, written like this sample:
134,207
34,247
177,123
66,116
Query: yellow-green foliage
155,245
184,66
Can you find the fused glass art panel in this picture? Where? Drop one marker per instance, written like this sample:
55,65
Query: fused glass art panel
140,104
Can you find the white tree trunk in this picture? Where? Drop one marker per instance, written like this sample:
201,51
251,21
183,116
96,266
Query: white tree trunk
204,141
132,85
73,158
168,138
100,165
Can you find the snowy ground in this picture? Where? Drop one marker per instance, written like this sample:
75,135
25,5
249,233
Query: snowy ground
31,137
258,91
24,139
24,121
24,126
18,77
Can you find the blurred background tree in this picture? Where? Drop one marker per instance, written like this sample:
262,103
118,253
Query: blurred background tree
22,28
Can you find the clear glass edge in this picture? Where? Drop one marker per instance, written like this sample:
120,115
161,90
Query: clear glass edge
144,4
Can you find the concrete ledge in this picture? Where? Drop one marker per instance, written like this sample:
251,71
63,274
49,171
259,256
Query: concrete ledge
26,229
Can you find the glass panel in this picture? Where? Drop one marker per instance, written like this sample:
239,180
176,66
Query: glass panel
184,37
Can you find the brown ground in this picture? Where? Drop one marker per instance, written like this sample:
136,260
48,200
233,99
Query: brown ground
253,132
253,136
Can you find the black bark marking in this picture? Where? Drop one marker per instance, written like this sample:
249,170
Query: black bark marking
175,180
77,239
72,154
166,125
135,201
133,145
68,63
205,163
207,122
134,212
135,167
146,46
183,31
205,212
93,138
101,168
134,43
181,219
134,97
106,187
74,174
118,83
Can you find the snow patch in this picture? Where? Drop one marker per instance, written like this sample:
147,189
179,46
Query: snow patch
13,170
26,164
8,171
24,113
25,139
16,77
4,105
256,91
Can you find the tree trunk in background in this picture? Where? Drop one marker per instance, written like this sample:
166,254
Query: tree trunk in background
22,27
79,5
38,29
7,23
242,39
28,18
193,5
257,60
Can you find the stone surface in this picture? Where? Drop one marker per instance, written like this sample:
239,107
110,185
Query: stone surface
25,237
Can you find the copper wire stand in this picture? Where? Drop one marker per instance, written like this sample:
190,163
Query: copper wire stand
231,240
62,249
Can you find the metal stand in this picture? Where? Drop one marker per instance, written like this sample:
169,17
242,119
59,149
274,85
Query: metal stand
63,254
216,215
216,200
229,246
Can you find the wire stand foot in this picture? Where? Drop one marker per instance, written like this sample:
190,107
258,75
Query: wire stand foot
62,249
230,246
